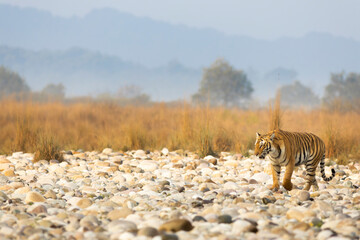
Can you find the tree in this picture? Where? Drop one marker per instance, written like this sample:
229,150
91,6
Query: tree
54,91
343,92
11,83
223,85
298,95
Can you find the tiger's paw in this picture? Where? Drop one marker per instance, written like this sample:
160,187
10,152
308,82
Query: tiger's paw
275,188
307,187
288,186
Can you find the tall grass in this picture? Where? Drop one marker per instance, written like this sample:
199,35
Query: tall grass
47,148
94,126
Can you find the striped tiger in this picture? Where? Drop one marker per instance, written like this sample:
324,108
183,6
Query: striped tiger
292,149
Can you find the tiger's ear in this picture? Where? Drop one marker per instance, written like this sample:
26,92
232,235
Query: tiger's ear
258,135
272,136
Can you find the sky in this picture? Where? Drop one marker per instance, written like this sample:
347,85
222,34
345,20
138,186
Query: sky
262,19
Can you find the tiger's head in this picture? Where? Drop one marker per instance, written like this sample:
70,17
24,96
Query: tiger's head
263,144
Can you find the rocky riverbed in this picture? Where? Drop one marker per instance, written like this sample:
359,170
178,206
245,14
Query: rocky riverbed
170,195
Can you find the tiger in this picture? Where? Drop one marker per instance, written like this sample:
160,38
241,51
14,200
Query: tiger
292,149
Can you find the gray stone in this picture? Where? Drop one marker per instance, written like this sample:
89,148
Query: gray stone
199,219
169,237
225,219
148,231
303,195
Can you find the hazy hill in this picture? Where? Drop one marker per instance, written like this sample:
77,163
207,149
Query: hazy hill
84,72
155,43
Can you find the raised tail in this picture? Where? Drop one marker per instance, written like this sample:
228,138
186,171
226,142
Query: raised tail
322,169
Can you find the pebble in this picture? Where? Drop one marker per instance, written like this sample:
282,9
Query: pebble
326,234
139,154
167,236
107,151
34,197
253,181
120,226
148,232
261,177
84,203
142,194
37,209
3,196
303,195
225,219
165,151
50,194
316,222
199,219
176,225
89,222
9,173
300,213
119,213
348,184
268,199
241,226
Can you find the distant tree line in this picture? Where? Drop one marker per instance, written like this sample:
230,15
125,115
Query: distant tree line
12,85
221,85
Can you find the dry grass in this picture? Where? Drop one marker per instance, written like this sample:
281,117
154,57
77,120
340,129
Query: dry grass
47,148
275,114
94,126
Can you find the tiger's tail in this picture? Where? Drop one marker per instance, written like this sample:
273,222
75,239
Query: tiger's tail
322,169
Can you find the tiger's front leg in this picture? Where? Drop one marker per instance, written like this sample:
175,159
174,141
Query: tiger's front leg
275,169
288,173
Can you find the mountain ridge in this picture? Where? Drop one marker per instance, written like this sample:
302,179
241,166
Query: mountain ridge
84,72
153,44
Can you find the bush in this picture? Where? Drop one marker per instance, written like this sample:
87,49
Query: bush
47,149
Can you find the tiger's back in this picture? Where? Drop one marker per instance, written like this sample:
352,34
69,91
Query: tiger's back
304,147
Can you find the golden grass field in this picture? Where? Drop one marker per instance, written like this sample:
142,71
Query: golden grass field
39,127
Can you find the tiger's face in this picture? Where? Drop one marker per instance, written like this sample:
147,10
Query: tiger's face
263,145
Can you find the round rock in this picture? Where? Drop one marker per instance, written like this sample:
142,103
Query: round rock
37,209
34,197
303,195
148,232
224,219
84,203
176,225
119,213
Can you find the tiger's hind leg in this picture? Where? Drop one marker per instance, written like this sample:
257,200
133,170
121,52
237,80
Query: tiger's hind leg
315,186
310,175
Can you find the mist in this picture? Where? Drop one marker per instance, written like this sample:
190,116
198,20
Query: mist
102,48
